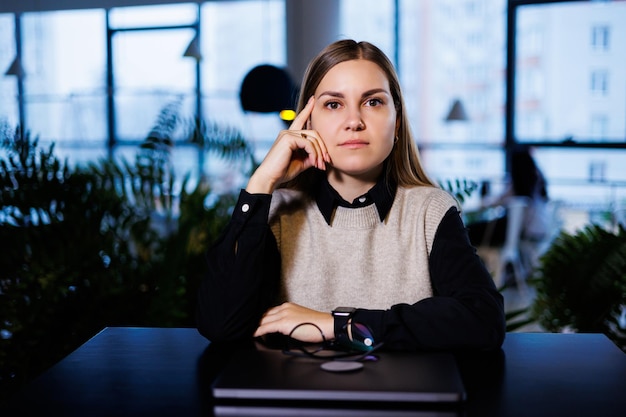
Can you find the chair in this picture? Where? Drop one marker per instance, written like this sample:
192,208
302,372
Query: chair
532,250
510,253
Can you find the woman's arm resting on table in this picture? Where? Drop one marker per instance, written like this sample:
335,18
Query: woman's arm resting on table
466,311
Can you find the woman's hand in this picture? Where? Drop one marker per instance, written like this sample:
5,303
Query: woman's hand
285,317
295,150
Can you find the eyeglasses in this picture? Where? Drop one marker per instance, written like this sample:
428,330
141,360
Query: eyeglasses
360,347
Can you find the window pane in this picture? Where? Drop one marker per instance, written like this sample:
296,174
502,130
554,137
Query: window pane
478,164
447,53
8,84
600,37
590,182
64,61
151,16
369,20
571,72
151,73
230,53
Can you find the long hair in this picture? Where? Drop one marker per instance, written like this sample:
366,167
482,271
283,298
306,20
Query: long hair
403,164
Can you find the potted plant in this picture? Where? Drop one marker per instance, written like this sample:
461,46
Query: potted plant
82,248
581,284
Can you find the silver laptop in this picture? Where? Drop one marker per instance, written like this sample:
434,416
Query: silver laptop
260,375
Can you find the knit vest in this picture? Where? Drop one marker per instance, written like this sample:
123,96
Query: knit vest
357,260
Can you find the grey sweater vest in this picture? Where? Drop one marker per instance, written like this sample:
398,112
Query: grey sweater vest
358,260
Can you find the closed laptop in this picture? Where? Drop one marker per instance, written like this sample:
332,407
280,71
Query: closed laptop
407,377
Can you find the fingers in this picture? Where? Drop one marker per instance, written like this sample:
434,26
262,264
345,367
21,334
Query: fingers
300,121
295,150
274,319
313,145
300,126
320,146
286,317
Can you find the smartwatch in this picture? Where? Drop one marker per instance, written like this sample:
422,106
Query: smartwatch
342,316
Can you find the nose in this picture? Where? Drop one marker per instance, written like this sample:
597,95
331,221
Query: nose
355,122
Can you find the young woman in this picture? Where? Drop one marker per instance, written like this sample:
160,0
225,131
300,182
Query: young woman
340,224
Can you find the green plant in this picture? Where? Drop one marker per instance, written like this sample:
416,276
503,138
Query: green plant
581,283
460,188
108,243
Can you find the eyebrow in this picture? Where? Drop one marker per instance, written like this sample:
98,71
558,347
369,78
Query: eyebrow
365,94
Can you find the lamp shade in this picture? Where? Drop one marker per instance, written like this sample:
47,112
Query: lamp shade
267,89
15,68
457,112
193,49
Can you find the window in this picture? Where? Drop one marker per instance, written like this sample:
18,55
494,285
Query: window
153,16
65,80
599,127
455,50
567,76
565,82
66,95
600,37
443,52
230,53
566,97
150,72
369,20
8,84
599,82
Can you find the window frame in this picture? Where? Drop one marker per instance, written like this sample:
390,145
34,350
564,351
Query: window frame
509,128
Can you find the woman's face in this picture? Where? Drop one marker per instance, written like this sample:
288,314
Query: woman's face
355,115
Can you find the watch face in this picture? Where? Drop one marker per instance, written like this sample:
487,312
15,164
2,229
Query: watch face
344,311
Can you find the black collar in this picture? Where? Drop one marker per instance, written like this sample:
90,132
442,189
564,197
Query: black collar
381,194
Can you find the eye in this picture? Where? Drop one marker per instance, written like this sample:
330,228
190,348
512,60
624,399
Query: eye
373,102
333,105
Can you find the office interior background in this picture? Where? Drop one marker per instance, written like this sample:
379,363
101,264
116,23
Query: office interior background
92,76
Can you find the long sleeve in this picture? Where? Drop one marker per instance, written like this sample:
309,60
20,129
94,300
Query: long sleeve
466,311
243,274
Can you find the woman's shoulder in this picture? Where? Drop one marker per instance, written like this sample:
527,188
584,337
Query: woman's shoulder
432,197
426,205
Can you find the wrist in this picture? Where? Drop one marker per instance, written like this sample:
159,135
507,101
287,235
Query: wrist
342,316
257,185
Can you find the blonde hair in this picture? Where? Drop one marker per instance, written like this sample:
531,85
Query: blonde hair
403,164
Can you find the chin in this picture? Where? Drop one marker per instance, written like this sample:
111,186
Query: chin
356,169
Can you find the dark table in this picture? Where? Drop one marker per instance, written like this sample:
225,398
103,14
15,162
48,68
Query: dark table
167,372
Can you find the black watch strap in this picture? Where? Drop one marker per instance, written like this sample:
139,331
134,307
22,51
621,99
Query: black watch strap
342,316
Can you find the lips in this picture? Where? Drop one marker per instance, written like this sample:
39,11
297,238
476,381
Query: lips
354,143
